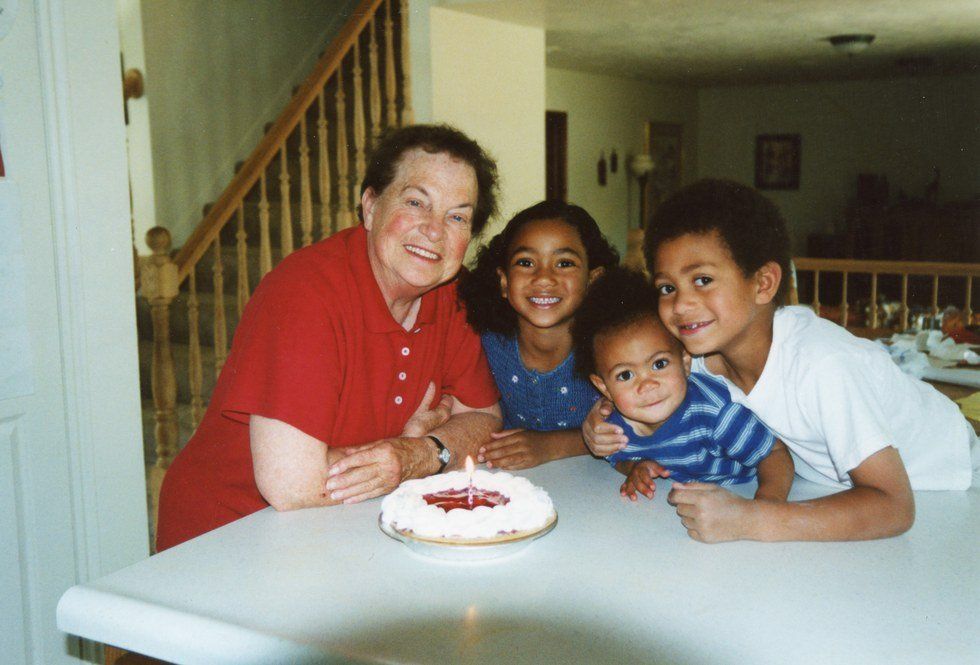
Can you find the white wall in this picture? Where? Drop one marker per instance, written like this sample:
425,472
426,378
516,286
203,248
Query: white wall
72,490
488,79
606,112
216,73
901,128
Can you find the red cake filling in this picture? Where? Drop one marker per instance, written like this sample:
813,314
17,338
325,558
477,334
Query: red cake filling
463,498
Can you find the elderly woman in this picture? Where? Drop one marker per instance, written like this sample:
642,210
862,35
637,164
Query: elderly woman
327,395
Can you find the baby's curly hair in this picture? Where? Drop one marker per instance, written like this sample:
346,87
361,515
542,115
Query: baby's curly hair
745,220
479,288
616,299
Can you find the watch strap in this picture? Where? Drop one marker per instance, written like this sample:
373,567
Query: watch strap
443,453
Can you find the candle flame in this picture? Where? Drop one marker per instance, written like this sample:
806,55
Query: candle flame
469,465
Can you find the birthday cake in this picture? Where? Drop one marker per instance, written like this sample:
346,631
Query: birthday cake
448,508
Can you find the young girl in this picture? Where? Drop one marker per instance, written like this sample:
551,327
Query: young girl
521,297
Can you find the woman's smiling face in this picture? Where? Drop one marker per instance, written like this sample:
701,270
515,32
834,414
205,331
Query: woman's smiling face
546,273
419,226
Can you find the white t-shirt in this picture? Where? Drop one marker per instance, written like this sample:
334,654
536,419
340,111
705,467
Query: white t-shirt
835,400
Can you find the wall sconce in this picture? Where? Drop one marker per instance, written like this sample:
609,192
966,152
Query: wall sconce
851,44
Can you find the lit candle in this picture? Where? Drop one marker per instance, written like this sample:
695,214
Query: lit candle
469,490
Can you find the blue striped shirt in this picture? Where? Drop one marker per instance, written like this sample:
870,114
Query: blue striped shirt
709,438
542,401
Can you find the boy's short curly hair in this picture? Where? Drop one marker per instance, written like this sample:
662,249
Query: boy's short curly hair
618,298
479,288
745,220
394,143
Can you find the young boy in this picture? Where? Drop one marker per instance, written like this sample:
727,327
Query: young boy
719,255
684,427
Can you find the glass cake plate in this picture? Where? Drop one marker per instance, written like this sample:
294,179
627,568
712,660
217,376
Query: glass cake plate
461,551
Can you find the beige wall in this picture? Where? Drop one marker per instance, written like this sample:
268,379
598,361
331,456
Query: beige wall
606,112
488,79
901,128
216,73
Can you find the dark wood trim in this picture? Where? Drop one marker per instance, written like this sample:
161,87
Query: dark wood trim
556,155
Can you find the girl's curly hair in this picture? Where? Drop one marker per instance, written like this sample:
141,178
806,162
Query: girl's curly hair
479,288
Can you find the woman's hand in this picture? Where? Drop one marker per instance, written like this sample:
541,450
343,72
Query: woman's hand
378,468
602,438
424,420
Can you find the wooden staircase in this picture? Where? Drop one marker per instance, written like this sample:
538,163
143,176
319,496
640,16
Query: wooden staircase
299,185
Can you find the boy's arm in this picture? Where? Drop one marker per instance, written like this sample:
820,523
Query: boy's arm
880,505
775,474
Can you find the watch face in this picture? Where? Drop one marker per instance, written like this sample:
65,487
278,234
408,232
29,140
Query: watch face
444,455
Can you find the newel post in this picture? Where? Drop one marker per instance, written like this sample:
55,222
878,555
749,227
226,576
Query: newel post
158,284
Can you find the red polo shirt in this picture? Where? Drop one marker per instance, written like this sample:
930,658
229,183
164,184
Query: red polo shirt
317,348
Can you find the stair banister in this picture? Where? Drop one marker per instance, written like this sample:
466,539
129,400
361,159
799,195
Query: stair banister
268,148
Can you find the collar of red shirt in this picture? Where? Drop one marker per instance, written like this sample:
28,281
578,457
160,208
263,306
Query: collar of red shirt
377,316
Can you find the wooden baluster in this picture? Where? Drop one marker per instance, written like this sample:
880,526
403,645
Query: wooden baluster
391,83
220,328
343,207
406,66
935,301
326,224
968,307
874,300
194,366
374,82
360,141
241,239
265,241
286,219
843,300
305,188
903,326
816,292
158,284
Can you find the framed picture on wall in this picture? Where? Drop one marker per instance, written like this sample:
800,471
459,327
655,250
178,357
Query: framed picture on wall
664,144
777,161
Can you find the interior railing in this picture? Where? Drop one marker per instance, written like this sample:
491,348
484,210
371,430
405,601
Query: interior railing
914,296
359,86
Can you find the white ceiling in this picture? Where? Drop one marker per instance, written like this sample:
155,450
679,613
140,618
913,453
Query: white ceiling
710,42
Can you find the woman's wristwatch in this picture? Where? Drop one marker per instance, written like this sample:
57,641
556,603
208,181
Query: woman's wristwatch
444,455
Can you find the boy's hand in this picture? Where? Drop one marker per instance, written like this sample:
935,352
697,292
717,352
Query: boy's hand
710,513
640,479
602,438
513,449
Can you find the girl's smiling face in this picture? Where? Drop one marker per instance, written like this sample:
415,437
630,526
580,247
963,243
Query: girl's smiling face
546,273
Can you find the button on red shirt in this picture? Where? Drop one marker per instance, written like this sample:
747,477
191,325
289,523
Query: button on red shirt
317,348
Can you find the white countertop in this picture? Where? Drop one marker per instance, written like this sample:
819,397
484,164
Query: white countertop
613,583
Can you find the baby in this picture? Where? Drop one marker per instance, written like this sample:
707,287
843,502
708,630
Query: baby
679,425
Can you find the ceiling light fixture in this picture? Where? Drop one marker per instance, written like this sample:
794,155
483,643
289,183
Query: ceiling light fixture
851,44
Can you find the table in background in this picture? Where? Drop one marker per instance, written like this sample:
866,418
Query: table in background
614,582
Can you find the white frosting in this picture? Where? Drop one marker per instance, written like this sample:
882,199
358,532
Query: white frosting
529,507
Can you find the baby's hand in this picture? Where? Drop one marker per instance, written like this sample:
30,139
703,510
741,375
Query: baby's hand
640,479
